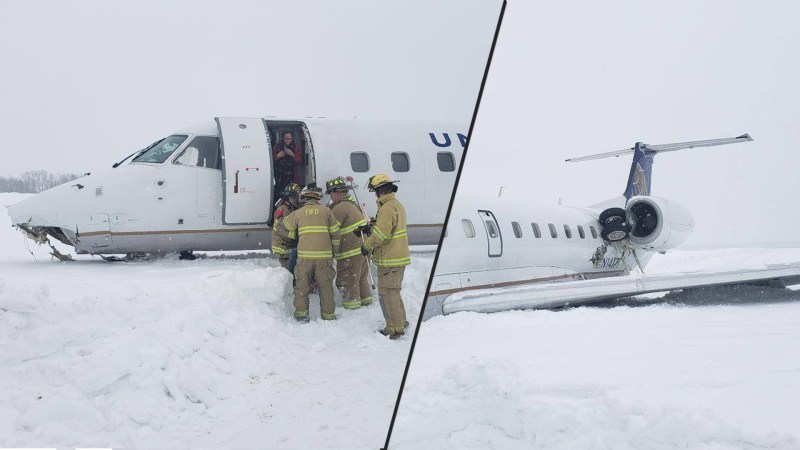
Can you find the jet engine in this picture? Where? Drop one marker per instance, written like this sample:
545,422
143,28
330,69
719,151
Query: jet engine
649,223
657,223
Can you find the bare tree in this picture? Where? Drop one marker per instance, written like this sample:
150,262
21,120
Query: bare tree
34,181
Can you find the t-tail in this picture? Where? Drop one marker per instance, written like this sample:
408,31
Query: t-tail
640,177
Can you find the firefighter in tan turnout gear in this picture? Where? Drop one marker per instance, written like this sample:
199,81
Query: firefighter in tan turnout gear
317,234
388,244
290,200
351,265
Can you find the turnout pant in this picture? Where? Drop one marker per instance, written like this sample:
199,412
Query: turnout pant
289,261
390,279
322,270
352,282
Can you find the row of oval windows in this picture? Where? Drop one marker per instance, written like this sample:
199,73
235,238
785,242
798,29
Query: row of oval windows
469,230
401,162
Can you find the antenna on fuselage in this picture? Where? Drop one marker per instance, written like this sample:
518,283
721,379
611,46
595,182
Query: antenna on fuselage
500,194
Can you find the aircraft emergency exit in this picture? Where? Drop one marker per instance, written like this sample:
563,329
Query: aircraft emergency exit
499,256
210,187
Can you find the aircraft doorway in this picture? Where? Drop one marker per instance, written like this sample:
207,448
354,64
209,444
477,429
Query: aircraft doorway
492,233
295,165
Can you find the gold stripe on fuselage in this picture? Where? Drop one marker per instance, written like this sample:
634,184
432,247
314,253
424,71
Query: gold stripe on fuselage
568,276
223,230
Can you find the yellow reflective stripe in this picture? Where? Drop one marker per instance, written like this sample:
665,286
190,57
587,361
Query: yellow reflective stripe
292,234
379,233
335,242
334,228
313,229
352,304
349,253
351,228
313,254
398,234
280,250
393,262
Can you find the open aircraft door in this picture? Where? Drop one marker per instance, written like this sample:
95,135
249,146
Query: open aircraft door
246,171
492,233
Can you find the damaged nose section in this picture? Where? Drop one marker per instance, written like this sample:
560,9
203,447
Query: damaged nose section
39,226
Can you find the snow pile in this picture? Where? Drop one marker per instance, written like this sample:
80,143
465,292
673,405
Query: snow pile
677,375
186,354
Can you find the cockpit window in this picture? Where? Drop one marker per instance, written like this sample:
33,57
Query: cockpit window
161,151
203,151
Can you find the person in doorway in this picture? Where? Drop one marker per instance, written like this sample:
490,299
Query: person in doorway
351,265
288,159
388,244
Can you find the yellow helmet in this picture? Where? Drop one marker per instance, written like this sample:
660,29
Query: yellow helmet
379,180
291,189
336,184
311,191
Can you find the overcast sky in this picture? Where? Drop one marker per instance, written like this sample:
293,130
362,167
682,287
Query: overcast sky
86,83
577,78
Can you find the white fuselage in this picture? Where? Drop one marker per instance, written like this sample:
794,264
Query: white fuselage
523,256
171,207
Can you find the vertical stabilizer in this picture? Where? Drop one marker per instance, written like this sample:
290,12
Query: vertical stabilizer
641,170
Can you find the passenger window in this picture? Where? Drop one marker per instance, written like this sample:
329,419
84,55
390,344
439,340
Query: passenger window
203,151
594,232
553,232
581,233
400,162
537,233
567,231
359,161
161,151
492,229
469,230
447,162
517,229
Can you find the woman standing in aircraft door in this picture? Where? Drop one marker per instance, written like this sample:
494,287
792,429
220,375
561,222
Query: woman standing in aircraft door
288,157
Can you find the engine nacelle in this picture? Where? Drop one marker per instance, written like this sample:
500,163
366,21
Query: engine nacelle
657,223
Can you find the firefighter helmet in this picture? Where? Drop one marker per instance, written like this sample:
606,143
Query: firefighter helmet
311,191
379,180
291,189
336,184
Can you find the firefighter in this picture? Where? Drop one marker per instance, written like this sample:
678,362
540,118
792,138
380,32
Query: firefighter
317,235
290,201
388,244
351,265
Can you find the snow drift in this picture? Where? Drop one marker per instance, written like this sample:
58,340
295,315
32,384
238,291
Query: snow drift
186,354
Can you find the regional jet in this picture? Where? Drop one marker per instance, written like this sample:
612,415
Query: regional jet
210,187
501,256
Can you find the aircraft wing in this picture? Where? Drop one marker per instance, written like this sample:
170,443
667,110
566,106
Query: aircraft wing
578,292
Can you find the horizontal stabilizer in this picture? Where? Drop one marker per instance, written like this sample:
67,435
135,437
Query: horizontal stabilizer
666,147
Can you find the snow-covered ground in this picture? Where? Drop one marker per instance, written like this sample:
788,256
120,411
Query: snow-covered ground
708,369
186,354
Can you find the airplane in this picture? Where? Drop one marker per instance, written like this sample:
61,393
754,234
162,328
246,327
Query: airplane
501,256
209,187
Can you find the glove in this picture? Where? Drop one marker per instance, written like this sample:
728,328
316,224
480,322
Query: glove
291,243
364,230
364,250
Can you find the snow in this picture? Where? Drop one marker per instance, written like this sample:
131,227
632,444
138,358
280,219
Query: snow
705,369
186,354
